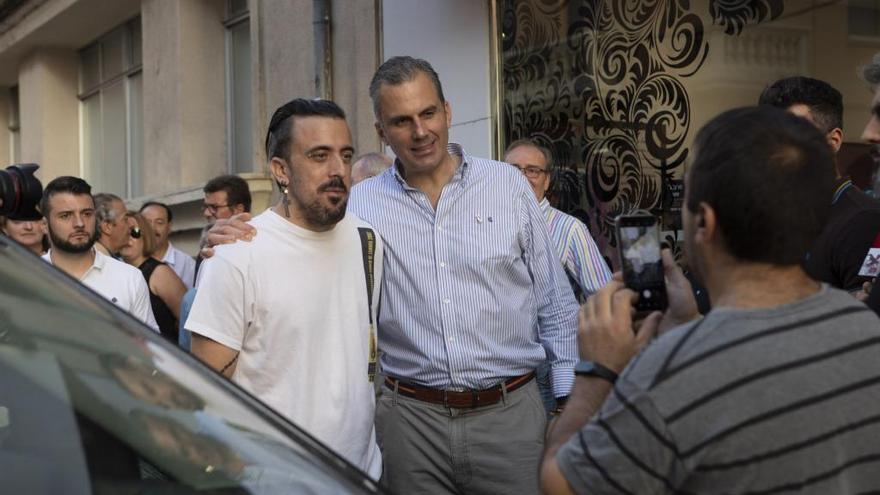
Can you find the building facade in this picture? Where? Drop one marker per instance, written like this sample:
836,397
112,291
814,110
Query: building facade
150,98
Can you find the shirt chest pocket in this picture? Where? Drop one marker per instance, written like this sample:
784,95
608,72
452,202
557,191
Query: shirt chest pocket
489,241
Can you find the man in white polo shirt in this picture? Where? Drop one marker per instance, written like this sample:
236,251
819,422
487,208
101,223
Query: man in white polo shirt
69,214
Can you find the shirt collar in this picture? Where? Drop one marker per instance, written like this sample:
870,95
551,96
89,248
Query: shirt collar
98,263
102,248
453,149
544,204
100,260
169,254
840,187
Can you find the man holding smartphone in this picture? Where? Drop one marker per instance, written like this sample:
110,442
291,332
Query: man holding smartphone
770,391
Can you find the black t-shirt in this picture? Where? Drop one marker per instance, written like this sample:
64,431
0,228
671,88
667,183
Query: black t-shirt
838,253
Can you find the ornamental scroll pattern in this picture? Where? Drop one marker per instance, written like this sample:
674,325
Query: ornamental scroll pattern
599,83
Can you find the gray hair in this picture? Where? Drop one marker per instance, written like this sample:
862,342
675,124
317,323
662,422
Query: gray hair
548,156
871,72
373,163
104,207
398,70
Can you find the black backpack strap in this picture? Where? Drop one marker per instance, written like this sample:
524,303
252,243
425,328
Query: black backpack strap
368,250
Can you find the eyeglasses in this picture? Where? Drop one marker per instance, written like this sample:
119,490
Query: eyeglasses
531,172
213,208
135,232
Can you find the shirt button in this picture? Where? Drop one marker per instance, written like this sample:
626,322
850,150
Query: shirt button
446,301
439,228
442,264
452,339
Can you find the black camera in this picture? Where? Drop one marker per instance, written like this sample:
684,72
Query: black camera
20,192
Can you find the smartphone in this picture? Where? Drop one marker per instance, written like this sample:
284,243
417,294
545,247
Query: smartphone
638,241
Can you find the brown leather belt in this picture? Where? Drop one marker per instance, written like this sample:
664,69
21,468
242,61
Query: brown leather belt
450,398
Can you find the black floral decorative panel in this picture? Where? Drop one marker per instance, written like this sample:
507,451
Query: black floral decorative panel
600,84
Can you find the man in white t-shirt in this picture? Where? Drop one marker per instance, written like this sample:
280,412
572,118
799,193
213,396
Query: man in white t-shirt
289,316
71,224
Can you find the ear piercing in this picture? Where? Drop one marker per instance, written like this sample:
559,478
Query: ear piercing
284,201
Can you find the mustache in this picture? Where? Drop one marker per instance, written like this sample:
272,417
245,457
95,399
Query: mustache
334,183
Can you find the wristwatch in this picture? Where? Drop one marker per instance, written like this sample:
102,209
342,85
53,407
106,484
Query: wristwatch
592,368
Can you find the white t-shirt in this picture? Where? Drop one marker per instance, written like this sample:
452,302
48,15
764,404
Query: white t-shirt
119,283
183,265
294,303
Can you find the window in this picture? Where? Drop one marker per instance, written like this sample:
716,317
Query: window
238,77
864,18
111,95
14,127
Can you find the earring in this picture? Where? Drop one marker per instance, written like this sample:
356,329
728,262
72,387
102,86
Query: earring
284,201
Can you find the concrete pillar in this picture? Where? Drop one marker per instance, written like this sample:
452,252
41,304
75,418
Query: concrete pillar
283,55
356,55
5,151
185,140
47,92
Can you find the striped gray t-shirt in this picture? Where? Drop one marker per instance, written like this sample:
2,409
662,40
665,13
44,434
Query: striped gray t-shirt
743,401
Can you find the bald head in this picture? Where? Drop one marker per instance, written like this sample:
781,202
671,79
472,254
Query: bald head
369,165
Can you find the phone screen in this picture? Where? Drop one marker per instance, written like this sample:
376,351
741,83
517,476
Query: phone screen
639,241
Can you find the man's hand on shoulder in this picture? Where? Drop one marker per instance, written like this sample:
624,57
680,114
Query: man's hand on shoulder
227,231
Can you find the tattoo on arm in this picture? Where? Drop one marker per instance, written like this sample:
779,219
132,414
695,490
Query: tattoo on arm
230,363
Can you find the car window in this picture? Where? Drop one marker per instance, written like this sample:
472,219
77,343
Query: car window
93,402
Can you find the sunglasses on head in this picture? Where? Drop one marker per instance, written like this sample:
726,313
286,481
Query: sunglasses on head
135,232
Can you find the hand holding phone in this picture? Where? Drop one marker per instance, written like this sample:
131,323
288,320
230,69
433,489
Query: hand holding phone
638,241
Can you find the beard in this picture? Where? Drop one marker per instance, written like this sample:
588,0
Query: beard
317,213
70,247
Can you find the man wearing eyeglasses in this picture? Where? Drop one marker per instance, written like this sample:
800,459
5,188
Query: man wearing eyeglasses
583,263
225,196
580,257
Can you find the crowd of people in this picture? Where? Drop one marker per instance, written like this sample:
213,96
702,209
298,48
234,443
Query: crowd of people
446,329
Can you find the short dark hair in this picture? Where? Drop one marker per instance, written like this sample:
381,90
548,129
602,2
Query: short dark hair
278,135
825,102
236,188
63,184
401,69
548,155
160,205
768,176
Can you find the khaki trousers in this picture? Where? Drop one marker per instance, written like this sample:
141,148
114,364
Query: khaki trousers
431,449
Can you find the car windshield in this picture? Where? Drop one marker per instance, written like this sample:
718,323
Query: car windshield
91,401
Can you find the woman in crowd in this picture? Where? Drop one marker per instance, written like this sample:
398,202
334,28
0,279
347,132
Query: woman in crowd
166,288
27,231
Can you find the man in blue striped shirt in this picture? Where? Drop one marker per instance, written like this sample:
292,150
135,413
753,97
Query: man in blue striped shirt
474,299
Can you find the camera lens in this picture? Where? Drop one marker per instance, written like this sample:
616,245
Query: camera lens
20,192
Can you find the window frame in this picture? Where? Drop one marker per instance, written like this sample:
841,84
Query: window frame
14,125
132,67
231,21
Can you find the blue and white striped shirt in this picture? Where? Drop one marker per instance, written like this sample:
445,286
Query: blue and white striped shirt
473,293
